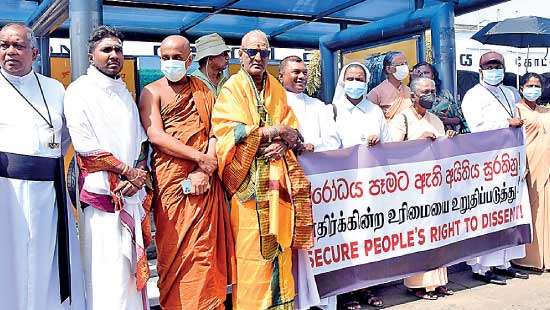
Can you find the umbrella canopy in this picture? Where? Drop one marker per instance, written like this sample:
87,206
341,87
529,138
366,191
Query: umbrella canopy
522,32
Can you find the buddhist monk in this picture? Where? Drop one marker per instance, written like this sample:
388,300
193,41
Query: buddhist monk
270,195
194,242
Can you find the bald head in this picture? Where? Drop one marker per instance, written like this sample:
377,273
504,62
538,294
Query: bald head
254,53
175,50
175,42
17,49
255,39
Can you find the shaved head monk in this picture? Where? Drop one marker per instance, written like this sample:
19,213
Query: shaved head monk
193,238
270,195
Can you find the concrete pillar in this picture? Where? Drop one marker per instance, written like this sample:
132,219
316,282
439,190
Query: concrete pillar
84,15
443,47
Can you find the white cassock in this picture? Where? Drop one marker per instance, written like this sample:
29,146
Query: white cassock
483,111
102,116
315,121
29,278
355,123
317,126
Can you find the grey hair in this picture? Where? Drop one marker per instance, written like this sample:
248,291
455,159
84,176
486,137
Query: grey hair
255,32
31,38
418,81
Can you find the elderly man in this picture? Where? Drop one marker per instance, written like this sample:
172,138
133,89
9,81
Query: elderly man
416,122
270,195
490,105
213,57
193,238
103,121
315,118
36,228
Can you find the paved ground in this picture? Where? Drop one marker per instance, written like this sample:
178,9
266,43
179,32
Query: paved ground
532,294
472,295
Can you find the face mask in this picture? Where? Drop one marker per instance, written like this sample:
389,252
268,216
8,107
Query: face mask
427,101
401,72
173,70
532,93
355,89
493,77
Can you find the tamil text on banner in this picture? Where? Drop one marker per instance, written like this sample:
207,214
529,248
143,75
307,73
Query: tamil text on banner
395,209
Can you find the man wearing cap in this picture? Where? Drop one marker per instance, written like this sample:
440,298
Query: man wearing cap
487,106
213,57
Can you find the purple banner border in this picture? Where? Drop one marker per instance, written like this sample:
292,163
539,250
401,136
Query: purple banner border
361,156
356,277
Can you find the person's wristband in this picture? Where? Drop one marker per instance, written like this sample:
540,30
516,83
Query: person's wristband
125,169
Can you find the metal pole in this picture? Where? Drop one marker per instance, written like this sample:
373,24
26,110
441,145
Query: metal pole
443,47
42,65
328,72
421,47
85,15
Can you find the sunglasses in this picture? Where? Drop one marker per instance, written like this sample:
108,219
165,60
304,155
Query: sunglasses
252,52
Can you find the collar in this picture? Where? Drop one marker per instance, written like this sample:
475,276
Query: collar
490,87
102,80
18,80
361,106
296,96
387,81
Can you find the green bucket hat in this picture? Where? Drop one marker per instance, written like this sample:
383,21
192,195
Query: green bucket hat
210,45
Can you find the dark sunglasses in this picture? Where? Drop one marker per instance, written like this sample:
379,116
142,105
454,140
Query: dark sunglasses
251,52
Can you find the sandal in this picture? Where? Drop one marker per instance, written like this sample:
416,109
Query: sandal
444,291
375,301
348,301
371,299
351,305
421,293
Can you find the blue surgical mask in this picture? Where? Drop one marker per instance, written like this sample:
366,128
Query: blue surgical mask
532,93
355,89
173,70
493,76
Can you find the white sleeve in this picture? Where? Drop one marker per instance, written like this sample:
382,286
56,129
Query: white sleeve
329,134
385,135
80,129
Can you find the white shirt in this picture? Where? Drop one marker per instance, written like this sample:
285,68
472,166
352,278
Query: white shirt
22,129
102,116
315,121
355,123
483,111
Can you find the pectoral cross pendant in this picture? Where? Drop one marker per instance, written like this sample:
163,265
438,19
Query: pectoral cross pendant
52,144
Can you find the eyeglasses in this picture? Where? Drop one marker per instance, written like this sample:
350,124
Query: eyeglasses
252,52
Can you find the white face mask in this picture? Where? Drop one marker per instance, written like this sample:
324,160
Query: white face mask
173,70
493,77
401,72
532,93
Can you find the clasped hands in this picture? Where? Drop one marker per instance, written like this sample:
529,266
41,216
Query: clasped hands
135,179
281,138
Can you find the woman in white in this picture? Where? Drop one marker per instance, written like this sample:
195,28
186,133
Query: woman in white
358,121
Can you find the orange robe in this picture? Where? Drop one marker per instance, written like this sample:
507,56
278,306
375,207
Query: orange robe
537,142
270,201
193,238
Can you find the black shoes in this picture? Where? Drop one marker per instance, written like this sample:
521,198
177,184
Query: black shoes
512,273
490,277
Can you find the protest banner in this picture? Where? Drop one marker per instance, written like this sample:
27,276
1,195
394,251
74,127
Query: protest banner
392,210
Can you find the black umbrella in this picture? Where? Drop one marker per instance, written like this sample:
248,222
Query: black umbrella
526,31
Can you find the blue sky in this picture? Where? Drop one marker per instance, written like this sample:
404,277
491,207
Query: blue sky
510,9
